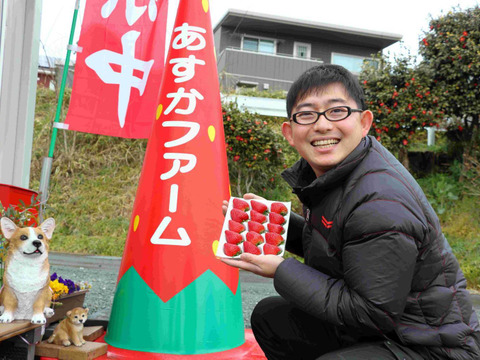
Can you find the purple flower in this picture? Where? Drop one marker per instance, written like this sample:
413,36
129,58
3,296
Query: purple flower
72,287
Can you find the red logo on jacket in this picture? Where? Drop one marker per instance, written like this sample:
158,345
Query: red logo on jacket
326,223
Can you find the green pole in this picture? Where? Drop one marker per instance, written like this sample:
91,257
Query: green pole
64,79
47,161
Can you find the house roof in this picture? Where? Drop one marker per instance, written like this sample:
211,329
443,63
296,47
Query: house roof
243,20
47,61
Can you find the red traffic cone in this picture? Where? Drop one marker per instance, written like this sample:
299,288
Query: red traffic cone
173,295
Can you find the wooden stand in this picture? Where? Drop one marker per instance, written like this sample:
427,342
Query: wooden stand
32,333
16,327
92,333
88,351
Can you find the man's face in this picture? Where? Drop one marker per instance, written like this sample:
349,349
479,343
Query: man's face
325,144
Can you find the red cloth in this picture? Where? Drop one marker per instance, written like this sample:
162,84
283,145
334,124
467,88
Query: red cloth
118,72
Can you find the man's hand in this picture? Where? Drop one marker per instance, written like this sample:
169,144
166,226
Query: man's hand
263,265
247,196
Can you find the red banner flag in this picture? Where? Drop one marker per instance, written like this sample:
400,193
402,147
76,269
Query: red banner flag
177,217
119,68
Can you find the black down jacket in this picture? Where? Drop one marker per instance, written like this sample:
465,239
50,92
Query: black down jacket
376,261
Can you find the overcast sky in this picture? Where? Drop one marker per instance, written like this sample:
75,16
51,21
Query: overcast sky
406,17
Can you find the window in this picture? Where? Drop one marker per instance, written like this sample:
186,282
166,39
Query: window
302,50
250,44
244,84
350,62
259,45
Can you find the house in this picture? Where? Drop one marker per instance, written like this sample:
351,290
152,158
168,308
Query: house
50,72
46,71
269,52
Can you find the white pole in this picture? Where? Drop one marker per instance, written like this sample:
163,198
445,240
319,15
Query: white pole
20,41
430,136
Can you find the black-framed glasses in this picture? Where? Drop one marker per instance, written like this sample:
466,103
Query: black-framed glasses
336,113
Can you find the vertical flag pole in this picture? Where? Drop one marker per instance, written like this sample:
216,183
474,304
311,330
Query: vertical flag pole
47,161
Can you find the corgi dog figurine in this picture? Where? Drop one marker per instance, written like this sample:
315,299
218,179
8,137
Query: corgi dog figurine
70,329
26,293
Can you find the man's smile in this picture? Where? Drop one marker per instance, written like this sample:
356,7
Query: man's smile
325,143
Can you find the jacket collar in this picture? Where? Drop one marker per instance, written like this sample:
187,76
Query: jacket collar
303,181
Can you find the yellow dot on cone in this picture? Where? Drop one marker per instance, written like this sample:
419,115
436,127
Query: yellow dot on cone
135,222
159,111
205,5
215,246
211,133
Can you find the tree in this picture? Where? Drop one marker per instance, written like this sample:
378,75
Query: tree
254,151
451,49
401,99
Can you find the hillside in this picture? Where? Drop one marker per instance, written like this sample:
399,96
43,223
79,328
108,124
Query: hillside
94,180
92,186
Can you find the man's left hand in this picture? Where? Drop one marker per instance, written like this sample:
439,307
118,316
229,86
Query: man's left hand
263,265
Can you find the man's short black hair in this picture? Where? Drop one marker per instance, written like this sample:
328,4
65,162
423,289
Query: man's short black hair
317,77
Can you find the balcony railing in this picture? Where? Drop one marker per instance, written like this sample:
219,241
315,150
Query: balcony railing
290,56
278,70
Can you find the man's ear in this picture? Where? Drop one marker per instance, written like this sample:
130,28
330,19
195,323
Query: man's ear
287,132
366,120
8,227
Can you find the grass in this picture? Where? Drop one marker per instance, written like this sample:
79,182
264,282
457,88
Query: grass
458,213
461,226
92,186
94,181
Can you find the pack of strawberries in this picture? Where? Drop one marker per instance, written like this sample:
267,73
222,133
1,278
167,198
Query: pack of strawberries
254,226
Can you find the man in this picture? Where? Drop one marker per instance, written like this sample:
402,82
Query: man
378,281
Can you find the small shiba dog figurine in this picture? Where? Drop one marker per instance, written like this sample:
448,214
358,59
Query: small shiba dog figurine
70,329
26,292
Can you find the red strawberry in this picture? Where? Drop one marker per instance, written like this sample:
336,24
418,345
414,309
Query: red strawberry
231,249
274,238
240,204
260,207
232,237
256,216
279,208
248,247
275,228
271,249
276,218
255,238
238,215
236,226
255,226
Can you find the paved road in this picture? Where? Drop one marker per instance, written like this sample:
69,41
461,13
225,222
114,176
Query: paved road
102,271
